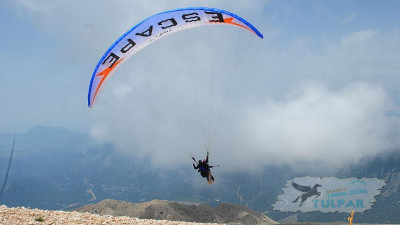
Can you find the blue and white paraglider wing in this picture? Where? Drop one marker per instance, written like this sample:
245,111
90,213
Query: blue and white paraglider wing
154,28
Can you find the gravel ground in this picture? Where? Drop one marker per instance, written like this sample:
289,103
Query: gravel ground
21,215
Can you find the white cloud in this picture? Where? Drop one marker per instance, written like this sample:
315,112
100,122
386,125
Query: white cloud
318,128
347,19
313,127
359,38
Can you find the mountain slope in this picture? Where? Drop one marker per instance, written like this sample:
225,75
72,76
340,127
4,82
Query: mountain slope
168,210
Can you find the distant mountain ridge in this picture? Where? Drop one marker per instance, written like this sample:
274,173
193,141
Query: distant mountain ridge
175,211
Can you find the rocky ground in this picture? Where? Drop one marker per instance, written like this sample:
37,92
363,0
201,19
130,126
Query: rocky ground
21,215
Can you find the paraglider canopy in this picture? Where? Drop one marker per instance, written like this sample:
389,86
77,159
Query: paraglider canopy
153,28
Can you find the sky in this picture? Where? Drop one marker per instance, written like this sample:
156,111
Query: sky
320,90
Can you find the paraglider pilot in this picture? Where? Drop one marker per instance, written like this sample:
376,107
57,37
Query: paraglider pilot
204,169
